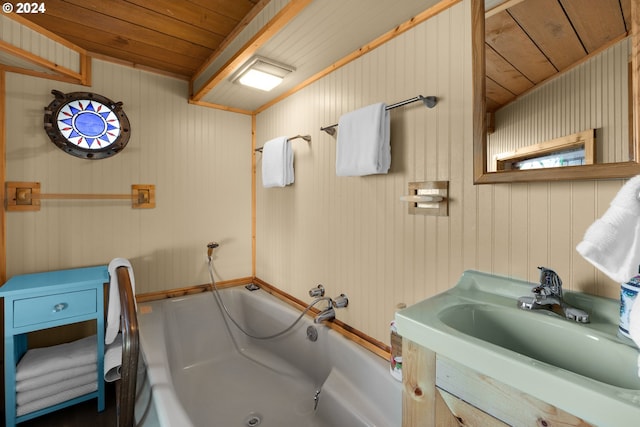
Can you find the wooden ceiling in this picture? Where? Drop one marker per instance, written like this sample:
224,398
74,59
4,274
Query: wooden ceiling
176,37
531,41
527,41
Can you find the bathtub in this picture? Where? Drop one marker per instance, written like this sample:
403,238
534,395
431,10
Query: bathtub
198,370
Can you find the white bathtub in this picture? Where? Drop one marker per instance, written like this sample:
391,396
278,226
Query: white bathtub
196,375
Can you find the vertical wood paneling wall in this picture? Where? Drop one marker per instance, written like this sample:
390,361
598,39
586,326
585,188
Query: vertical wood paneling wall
198,158
594,95
353,235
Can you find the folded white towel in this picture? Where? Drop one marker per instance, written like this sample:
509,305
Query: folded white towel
56,398
634,325
113,360
612,243
113,311
25,397
54,377
277,163
363,146
41,361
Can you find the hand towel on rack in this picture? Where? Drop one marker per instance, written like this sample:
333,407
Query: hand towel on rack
113,360
612,243
363,146
113,310
277,163
41,361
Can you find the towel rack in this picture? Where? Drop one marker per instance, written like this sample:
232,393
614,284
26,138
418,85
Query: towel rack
428,101
305,137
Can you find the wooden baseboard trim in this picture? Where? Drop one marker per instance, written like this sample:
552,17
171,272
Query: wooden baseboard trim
377,347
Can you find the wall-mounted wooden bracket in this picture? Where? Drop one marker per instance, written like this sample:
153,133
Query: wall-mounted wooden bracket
22,196
26,196
143,196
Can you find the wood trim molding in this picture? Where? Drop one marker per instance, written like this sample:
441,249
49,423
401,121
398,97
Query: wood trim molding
40,62
220,107
231,37
3,178
254,202
190,290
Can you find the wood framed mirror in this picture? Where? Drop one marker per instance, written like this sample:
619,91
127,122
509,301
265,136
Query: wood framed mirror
626,164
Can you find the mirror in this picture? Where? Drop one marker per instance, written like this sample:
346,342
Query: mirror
619,167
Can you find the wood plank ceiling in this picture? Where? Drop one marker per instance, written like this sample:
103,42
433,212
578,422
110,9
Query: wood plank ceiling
176,37
527,42
533,40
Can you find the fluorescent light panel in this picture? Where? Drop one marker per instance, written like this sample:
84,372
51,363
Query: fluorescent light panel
261,73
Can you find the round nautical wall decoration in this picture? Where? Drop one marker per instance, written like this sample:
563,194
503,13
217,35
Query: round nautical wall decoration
86,125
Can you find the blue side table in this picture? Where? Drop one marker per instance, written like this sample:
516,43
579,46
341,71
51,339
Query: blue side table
45,300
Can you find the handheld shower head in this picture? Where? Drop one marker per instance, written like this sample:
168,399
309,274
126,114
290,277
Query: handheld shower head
210,247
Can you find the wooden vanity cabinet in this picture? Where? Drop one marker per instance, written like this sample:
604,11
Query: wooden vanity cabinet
438,392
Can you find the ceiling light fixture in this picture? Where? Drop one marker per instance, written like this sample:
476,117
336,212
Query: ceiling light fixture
261,73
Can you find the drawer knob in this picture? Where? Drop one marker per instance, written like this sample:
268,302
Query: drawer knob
60,306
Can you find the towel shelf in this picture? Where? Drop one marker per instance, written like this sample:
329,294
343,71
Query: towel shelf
428,101
305,137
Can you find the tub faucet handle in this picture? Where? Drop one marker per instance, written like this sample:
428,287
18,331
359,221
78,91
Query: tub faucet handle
340,301
316,292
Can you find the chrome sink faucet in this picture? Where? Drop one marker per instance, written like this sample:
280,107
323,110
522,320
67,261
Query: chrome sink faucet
548,296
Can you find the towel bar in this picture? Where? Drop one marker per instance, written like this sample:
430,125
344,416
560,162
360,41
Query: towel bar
305,137
26,196
428,101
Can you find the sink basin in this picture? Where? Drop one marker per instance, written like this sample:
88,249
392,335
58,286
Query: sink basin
584,369
571,347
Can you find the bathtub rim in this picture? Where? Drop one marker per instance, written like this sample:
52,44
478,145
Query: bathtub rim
371,344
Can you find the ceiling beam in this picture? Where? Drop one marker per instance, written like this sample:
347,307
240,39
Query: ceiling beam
282,18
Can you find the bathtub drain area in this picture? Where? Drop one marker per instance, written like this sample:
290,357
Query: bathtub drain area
253,420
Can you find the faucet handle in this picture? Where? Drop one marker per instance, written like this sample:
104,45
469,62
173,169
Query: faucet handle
340,301
550,282
316,292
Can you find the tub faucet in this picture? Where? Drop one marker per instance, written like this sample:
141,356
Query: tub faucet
548,296
329,312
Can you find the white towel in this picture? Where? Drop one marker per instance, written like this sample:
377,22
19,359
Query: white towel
612,243
113,311
363,146
54,377
277,163
634,326
56,398
41,361
26,397
113,360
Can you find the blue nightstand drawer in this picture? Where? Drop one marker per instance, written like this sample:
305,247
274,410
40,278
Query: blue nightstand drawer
31,311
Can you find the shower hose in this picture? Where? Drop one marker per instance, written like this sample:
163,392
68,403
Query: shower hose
223,307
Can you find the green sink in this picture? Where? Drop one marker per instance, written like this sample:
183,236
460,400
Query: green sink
581,350
584,369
